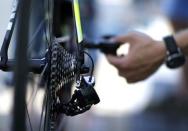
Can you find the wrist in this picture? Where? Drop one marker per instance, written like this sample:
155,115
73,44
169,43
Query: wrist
161,49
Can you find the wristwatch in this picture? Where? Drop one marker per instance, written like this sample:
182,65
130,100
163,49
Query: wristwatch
175,57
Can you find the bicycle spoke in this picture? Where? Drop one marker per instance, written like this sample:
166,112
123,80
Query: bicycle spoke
29,119
43,110
38,29
46,111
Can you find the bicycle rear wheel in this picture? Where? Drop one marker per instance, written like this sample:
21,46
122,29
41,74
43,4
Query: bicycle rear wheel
64,60
33,37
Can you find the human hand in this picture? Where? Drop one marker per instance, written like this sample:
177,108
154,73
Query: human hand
144,57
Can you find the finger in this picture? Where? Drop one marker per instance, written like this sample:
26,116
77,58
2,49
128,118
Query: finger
135,75
123,39
137,78
117,61
134,78
140,74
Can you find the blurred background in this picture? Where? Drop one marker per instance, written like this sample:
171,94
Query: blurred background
158,103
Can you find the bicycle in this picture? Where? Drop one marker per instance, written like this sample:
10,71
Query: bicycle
59,64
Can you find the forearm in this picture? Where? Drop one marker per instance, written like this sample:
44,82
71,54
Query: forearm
182,40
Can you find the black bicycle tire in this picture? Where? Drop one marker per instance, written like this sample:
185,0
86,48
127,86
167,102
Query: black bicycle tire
21,66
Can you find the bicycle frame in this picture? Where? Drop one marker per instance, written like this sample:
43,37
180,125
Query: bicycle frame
35,65
84,97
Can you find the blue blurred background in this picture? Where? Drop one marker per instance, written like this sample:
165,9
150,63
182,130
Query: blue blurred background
158,103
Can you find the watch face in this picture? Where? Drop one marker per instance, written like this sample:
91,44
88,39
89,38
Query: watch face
175,60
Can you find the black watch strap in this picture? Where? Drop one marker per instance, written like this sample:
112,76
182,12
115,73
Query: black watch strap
175,57
171,44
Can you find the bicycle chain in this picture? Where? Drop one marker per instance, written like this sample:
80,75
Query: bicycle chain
65,69
63,72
